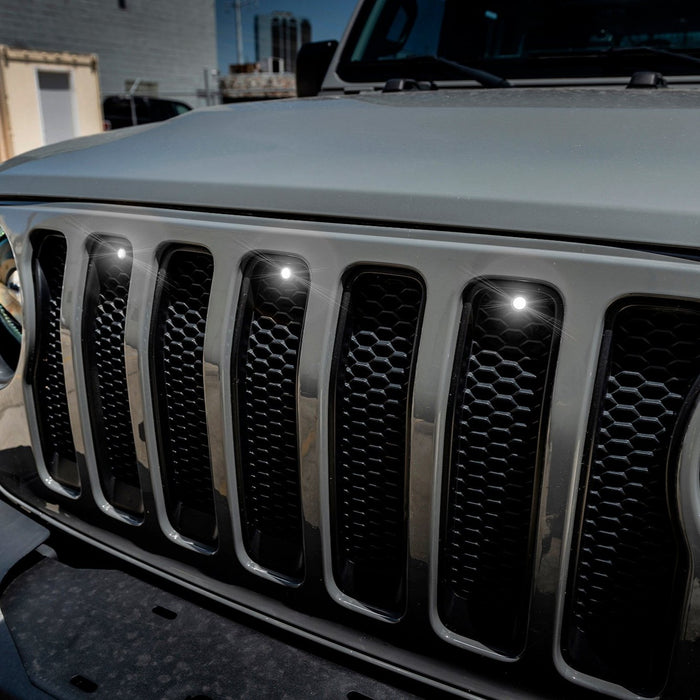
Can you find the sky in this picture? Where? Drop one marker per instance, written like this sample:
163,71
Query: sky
328,19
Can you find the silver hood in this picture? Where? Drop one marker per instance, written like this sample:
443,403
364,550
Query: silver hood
609,164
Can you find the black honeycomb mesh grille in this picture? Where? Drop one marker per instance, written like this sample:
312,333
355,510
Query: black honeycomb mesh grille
104,323
500,395
373,377
624,598
49,381
178,351
265,367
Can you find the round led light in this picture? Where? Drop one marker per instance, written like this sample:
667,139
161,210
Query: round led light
519,303
285,273
121,253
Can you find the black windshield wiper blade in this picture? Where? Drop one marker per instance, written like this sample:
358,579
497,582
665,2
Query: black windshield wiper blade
612,51
488,80
677,55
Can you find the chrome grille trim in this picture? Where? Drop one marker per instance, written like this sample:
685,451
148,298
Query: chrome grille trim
628,557
322,310
136,336
372,395
497,418
40,239
141,309
79,351
216,348
688,494
264,387
430,398
179,326
72,338
71,318
578,357
454,261
601,303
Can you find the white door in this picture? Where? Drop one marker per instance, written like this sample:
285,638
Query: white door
56,99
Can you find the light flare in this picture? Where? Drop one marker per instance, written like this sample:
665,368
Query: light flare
519,303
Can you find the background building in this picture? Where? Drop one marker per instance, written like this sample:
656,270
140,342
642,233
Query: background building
328,18
278,37
165,44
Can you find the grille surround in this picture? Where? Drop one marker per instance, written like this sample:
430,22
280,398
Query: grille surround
178,388
104,326
447,262
48,377
264,380
365,569
498,414
651,474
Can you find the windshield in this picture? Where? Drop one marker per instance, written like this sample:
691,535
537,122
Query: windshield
522,38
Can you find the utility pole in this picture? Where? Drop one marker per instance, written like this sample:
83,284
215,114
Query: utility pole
239,31
237,5
132,101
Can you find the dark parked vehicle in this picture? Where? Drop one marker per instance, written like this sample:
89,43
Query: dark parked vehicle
125,110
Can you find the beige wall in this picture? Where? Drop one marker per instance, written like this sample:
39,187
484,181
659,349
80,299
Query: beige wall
20,109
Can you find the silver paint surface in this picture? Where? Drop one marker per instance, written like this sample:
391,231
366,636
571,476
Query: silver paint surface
598,163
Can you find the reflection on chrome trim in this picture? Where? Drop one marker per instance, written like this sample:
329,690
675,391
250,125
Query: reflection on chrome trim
151,277
11,297
138,313
688,492
80,376
215,354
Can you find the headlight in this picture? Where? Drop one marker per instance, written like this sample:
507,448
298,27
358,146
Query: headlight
10,309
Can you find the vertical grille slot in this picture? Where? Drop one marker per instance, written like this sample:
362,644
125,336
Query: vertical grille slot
49,385
264,370
499,403
372,385
627,582
180,318
104,322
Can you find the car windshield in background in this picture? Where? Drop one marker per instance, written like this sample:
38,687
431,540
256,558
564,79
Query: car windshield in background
523,39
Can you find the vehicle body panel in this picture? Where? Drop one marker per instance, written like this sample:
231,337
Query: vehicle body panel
497,160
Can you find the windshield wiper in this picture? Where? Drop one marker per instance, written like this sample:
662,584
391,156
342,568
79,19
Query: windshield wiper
484,78
677,55
611,51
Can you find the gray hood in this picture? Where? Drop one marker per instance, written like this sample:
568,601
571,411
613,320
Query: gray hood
601,163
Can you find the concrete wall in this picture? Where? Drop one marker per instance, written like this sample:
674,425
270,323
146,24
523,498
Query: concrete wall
21,122
168,42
